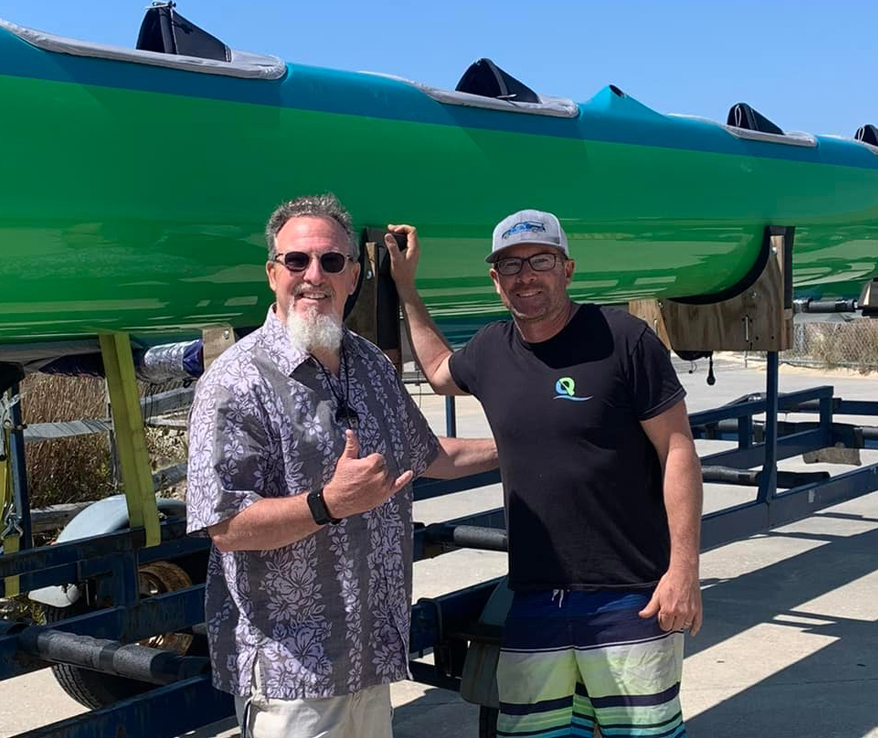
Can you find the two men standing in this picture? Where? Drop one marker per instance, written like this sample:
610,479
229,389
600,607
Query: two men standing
303,446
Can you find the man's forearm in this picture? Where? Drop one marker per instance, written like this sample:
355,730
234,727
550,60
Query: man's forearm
683,496
427,342
267,524
460,457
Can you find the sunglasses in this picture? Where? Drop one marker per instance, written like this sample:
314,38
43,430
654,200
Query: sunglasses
331,262
538,262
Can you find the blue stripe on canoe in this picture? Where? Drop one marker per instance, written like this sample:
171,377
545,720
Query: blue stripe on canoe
636,700
305,88
514,708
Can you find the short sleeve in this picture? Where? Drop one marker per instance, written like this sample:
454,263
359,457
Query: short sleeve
226,464
423,444
465,364
652,379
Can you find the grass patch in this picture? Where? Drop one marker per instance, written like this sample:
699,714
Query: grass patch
79,468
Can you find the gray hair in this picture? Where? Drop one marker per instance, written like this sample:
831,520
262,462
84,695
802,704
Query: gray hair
311,206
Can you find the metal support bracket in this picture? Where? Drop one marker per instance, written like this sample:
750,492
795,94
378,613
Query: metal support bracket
868,302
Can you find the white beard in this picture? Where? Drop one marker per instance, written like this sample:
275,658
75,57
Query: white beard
314,331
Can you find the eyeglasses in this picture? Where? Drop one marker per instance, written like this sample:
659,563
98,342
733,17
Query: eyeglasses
538,262
331,262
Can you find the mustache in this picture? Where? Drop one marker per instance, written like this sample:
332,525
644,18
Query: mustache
304,287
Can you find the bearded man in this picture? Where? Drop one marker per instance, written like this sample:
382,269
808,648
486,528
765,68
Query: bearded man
303,448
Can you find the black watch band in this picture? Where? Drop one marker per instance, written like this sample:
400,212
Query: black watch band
318,508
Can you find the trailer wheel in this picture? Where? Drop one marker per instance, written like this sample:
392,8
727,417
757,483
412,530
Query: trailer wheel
96,690
488,722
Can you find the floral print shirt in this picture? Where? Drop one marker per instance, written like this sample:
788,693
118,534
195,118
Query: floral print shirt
330,614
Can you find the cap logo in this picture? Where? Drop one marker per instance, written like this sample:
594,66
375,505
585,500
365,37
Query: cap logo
524,225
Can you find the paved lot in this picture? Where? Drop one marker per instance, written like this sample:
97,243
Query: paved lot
790,642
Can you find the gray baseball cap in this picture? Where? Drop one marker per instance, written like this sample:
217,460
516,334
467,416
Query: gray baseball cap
528,226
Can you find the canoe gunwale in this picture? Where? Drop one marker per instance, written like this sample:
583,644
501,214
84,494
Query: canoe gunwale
244,64
557,107
790,138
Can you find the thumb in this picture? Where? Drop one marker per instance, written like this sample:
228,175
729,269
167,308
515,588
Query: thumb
652,607
351,446
390,243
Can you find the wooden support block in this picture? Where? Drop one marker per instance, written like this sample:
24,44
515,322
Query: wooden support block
651,312
216,339
760,318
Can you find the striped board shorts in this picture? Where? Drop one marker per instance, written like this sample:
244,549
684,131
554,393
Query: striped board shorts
572,661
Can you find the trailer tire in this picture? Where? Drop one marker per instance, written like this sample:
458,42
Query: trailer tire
488,722
94,689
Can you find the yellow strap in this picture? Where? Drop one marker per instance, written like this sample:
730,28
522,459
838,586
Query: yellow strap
11,542
11,585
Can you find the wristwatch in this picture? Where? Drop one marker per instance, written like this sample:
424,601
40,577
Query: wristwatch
318,508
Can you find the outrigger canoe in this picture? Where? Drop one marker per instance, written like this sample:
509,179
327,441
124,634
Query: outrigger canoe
136,183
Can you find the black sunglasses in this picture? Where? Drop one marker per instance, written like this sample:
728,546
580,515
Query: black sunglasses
331,262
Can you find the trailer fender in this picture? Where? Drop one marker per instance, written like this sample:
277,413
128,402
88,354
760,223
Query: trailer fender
104,516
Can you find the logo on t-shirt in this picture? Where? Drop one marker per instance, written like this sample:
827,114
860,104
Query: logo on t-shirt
565,387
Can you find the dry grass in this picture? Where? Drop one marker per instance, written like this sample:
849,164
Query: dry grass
78,469
68,469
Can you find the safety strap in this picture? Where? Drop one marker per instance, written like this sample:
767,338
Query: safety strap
10,530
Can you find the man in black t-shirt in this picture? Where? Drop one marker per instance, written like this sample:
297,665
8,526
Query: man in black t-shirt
602,488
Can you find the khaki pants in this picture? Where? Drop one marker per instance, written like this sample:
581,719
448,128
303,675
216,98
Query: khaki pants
363,714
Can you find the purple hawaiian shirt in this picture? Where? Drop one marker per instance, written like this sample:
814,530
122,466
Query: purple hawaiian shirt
330,614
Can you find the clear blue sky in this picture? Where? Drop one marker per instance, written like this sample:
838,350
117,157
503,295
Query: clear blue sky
804,66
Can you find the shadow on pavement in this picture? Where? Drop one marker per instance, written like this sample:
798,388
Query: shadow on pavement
830,692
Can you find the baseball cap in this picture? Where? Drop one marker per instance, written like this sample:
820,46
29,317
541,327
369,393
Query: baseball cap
528,226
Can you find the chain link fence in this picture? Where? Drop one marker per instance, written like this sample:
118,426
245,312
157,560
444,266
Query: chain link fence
851,344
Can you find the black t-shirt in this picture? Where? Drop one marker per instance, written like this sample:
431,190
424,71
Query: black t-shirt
582,482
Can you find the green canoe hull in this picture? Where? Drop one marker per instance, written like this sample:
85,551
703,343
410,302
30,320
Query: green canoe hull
134,198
